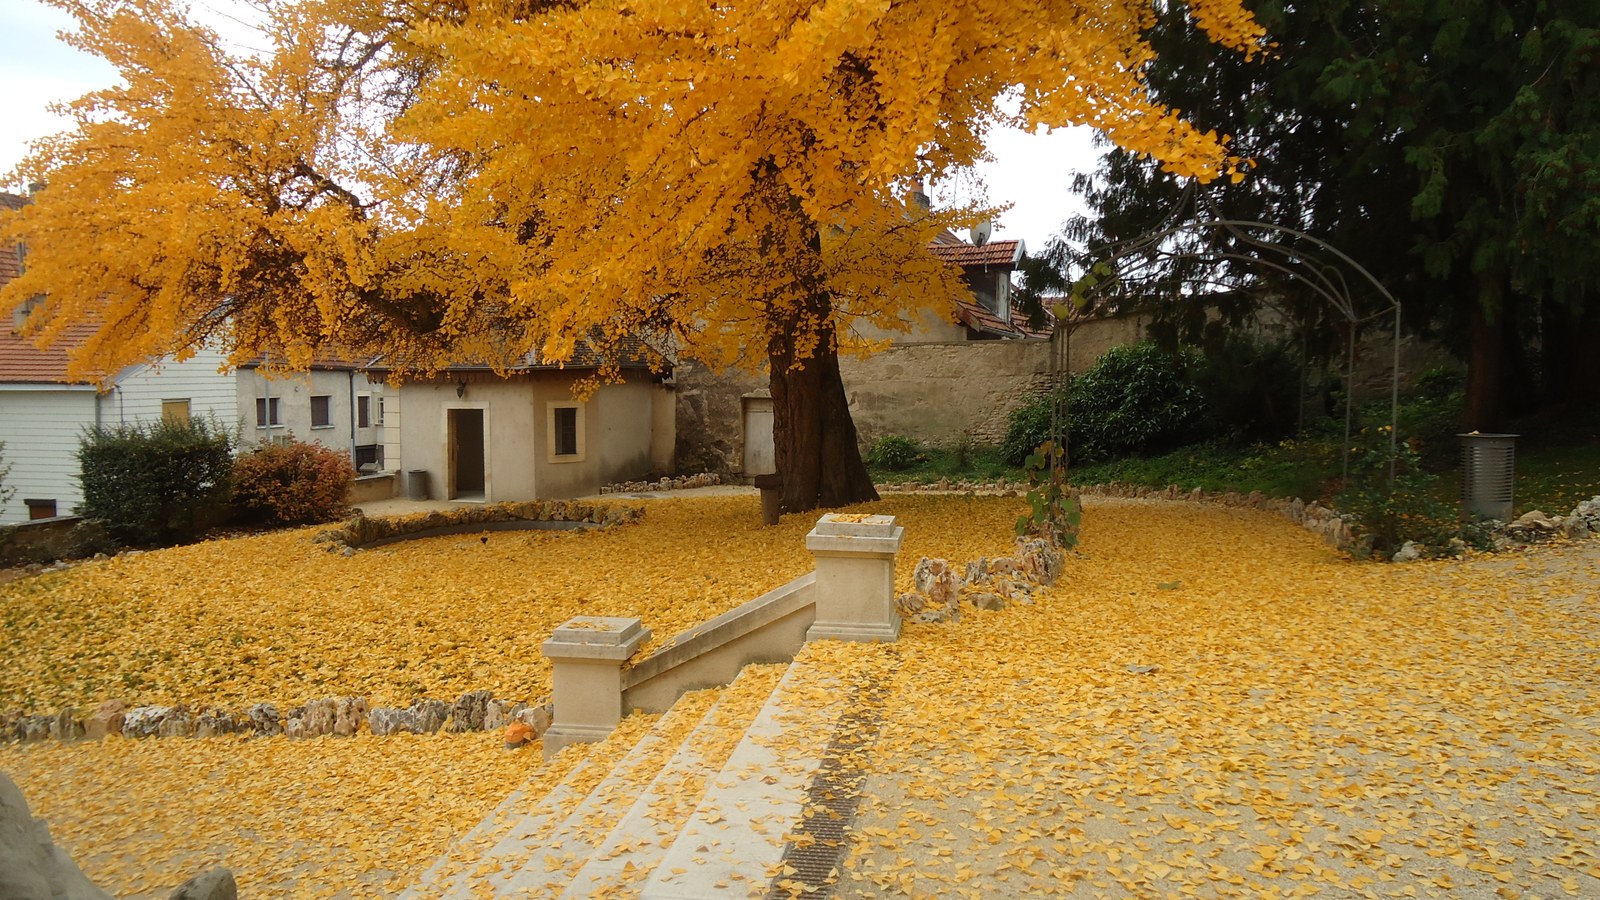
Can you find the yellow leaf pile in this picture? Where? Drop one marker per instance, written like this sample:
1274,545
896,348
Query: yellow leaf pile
1212,703
275,618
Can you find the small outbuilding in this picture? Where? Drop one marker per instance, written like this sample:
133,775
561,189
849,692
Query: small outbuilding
472,434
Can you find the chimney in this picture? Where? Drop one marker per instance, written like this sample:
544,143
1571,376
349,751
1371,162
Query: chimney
919,195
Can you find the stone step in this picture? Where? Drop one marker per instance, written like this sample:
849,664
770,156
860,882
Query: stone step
496,850
642,837
733,842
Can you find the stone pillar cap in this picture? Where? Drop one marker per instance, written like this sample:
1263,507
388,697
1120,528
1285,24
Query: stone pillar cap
855,525
838,534
596,637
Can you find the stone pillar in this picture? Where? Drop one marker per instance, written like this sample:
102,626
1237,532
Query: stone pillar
855,577
586,655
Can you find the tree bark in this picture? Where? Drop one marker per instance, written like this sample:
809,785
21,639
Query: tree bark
1486,348
813,436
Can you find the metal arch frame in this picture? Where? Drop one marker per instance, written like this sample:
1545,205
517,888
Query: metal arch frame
1328,283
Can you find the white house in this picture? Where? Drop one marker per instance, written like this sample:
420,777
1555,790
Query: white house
43,414
333,403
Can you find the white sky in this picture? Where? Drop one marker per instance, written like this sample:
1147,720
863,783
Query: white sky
1030,172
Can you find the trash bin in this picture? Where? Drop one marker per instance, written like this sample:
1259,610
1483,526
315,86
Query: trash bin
417,484
1488,470
771,497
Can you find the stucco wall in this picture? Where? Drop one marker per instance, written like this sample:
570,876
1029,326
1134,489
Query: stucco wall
517,461
294,393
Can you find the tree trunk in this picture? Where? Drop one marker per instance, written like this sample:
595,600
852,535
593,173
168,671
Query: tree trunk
1485,368
813,435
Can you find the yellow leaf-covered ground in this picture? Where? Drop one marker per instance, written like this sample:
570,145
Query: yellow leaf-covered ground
1311,725
278,619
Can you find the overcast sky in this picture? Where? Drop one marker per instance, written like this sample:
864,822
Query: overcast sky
1030,172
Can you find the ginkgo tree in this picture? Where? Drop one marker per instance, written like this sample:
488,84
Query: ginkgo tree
440,180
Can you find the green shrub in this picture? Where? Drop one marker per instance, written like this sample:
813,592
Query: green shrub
896,453
156,484
1029,426
1251,389
1391,511
1134,400
292,484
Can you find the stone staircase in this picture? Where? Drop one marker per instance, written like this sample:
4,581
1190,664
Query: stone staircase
702,804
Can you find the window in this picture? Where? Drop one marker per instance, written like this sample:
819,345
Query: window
566,432
322,411
175,411
380,410
364,411
267,412
40,509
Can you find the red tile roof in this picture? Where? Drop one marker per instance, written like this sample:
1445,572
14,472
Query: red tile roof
21,361
994,253
982,320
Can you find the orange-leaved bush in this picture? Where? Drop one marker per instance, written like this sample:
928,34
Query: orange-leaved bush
292,484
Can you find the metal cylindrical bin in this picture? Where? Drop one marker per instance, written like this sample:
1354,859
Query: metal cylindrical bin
1488,472
417,484
771,497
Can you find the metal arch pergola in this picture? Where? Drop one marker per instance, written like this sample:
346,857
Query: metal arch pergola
1325,279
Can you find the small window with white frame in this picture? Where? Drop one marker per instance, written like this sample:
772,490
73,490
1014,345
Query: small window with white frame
565,430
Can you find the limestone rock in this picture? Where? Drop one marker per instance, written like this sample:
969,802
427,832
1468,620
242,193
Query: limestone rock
263,719
936,580
422,717
176,723
31,865
431,715
348,714
387,720
987,600
536,717
64,726
910,603
144,721
106,719
470,711
215,722
1039,560
328,715
497,713
1410,551
217,884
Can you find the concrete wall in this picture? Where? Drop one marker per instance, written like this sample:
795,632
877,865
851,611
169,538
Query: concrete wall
615,434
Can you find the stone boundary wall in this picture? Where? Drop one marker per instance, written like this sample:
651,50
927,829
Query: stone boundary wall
939,394
342,716
47,540
943,394
360,532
